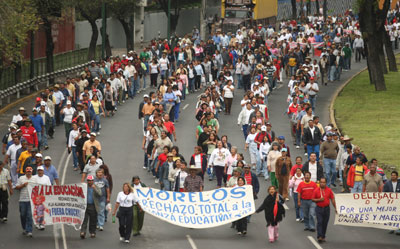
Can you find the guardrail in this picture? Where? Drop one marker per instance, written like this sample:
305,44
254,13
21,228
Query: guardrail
35,82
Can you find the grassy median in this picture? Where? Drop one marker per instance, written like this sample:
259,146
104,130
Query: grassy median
372,118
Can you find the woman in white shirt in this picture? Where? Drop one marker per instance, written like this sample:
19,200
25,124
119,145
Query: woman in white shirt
227,93
154,70
263,150
273,154
217,161
68,112
238,73
252,146
125,200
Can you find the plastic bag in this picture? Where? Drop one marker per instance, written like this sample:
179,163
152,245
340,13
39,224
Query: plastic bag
109,207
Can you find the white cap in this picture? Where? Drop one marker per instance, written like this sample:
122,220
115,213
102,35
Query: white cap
123,55
146,96
40,168
47,158
93,134
42,103
96,78
92,61
38,155
68,102
263,128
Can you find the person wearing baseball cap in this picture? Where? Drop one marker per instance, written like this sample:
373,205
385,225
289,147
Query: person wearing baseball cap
30,133
93,194
40,177
24,201
18,117
281,141
38,124
50,171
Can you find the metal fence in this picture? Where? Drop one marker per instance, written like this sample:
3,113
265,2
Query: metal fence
64,64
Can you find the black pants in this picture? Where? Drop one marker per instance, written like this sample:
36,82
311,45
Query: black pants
228,105
125,222
91,218
197,81
322,214
241,225
153,79
57,110
3,204
246,81
359,53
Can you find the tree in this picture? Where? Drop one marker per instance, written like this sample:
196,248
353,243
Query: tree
91,11
294,9
176,7
49,11
17,19
123,11
317,7
325,9
373,16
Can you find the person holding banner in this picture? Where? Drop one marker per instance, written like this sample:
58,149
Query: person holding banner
193,182
355,176
138,214
393,186
322,196
124,204
24,202
241,225
274,212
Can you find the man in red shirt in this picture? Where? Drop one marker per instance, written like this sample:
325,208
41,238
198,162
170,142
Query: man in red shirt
305,192
322,196
170,127
29,132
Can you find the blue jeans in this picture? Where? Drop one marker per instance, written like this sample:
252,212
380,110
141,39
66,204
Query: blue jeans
264,166
338,72
144,80
332,73
191,85
308,207
96,126
26,215
322,214
184,92
330,171
75,156
299,211
357,188
244,128
298,136
101,214
313,148
136,86
176,110
44,138
313,101
239,81
167,185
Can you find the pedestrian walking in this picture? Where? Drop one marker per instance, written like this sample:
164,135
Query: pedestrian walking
282,170
6,190
138,214
323,196
274,212
93,198
305,192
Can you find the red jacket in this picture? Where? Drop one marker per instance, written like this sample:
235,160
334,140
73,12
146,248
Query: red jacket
351,174
30,135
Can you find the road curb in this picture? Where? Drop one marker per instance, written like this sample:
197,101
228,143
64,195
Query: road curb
18,101
336,94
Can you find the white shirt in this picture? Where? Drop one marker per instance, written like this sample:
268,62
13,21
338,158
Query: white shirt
394,186
68,114
312,168
164,63
182,177
12,152
127,200
24,194
44,180
312,131
197,161
218,157
72,135
228,91
313,85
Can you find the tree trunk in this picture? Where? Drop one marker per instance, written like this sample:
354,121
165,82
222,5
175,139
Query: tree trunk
325,9
108,45
174,22
93,40
49,48
17,73
301,7
389,51
308,7
294,9
317,7
375,68
383,61
128,30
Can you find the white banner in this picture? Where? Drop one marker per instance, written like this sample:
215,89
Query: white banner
64,204
378,210
198,209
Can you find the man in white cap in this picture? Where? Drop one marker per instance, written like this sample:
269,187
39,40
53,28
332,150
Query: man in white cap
50,171
44,112
68,112
12,155
12,128
94,69
5,180
18,117
42,179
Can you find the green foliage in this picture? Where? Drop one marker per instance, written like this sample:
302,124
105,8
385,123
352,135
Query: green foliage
17,18
372,118
122,8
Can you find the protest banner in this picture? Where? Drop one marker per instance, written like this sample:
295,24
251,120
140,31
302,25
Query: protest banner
198,209
64,204
378,210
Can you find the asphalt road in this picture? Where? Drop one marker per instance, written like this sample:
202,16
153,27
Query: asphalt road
121,138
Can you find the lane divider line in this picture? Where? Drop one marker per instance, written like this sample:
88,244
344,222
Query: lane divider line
285,206
185,106
55,227
191,242
64,173
315,243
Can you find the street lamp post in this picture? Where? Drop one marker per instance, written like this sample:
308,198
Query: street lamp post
169,20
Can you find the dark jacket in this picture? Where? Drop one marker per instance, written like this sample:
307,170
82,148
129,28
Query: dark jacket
388,187
308,138
47,121
268,207
255,183
140,110
203,162
320,170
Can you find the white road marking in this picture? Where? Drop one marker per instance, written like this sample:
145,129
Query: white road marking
285,206
64,237
191,242
315,243
185,106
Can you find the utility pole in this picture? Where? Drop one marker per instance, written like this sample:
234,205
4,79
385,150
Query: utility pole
103,30
203,24
169,20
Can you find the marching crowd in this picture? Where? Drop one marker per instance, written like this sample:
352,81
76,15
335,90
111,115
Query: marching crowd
307,55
